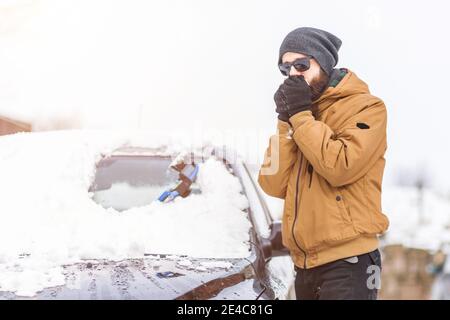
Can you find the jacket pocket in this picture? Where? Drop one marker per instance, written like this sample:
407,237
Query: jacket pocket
325,223
343,209
310,174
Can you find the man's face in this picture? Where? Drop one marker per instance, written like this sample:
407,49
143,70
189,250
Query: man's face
314,76
312,73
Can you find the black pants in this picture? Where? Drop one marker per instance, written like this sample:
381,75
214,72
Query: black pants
341,279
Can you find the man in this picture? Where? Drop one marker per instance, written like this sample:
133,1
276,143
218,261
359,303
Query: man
329,158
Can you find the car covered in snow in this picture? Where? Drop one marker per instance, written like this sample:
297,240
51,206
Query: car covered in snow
88,222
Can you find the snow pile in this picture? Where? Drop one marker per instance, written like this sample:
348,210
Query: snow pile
49,218
282,276
408,226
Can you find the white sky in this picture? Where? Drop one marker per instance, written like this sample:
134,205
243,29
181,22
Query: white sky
212,64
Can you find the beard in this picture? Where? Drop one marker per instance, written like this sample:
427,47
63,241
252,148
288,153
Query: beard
318,85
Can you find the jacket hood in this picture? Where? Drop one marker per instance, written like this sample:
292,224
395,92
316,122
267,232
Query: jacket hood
348,86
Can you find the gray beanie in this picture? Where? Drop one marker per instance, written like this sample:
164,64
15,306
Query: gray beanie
320,44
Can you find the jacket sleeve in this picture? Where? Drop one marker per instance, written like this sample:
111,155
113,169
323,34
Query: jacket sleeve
279,158
344,156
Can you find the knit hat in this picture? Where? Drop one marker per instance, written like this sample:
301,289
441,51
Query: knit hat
321,45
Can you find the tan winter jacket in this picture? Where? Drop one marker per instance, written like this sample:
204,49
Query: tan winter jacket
329,171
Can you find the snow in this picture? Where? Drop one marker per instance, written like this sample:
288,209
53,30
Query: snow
275,205
281,276
201,269
408,227
204,265
50,220
216,264
185,263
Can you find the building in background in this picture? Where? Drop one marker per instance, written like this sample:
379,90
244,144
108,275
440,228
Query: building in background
9,126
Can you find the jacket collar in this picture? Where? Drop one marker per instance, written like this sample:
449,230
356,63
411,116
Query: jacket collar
343,83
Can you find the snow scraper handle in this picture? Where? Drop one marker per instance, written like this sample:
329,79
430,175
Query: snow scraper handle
182,188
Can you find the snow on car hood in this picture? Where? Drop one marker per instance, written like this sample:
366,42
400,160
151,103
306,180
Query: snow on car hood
49,218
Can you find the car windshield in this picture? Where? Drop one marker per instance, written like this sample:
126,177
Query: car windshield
124,182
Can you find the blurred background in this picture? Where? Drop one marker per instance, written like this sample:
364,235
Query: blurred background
211,66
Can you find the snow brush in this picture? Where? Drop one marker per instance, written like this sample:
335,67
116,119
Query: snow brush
187,175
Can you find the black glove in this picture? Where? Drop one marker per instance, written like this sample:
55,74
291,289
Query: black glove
297,94
282,109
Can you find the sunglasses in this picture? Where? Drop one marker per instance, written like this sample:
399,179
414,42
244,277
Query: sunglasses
300,65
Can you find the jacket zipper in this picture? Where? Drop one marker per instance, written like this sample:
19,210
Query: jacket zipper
296,210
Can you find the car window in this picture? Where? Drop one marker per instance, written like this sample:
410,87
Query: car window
123,182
